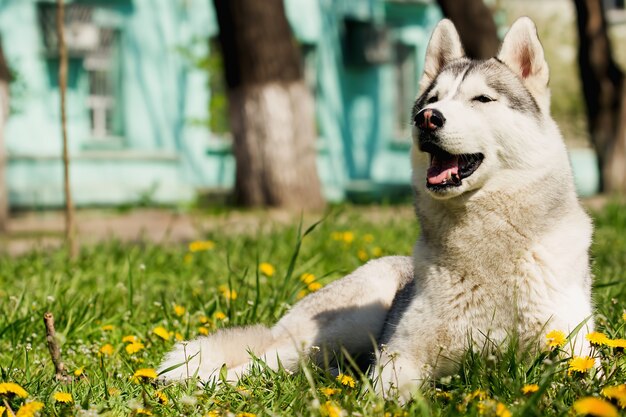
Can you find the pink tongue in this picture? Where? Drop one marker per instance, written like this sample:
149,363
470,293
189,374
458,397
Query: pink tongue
441,170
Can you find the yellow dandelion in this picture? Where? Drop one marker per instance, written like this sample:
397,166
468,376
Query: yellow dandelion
346,380
617,393
144,374
203,319
593,406
143,412
445,395
227,292
201,245
624,316
555,338
597,338
218,315
213,413
480,394
377,252
130,339
346,237
580,364
329,391
179,310
107,350
362,255
245,414
29,409
160,397
307,278
530,388
301,294
107,327
2,410
267,269
161,332
314,286
616,343
135,347
77,372
203,330
63,397
179,337
113,392
330,409
11,389
502,410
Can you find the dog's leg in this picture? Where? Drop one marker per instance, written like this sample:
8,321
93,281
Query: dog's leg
348,313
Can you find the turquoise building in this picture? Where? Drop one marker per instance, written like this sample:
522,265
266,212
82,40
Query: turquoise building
139,96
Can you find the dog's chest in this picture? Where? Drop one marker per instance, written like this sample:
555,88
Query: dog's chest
516,297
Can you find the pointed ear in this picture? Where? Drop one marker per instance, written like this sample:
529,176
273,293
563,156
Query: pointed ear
444,47
522,52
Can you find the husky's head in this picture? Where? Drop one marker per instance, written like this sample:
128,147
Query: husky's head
483,124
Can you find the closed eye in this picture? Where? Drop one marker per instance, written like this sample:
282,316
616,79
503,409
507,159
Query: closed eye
483,98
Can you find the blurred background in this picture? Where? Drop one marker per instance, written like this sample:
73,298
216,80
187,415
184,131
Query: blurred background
292,104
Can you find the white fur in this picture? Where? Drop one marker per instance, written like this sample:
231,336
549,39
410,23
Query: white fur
504,254
348,313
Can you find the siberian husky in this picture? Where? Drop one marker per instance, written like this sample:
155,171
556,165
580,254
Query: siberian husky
503,249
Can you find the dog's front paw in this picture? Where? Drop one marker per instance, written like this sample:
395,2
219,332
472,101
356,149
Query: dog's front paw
395,377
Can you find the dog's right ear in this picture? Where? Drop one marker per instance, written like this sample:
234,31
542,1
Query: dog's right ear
444,47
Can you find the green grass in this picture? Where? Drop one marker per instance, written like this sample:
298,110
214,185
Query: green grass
114,290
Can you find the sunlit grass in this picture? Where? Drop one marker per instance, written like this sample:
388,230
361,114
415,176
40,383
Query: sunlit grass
119,307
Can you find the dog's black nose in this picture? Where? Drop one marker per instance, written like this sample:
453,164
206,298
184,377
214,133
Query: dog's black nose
429,119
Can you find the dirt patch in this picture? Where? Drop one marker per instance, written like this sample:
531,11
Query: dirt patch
44,230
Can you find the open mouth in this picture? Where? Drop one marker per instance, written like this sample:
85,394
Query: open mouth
447,170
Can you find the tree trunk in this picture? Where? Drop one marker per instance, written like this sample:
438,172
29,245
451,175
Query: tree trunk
5,79
270,107
605,94
474,22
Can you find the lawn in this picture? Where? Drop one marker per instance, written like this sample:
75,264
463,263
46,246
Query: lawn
119,307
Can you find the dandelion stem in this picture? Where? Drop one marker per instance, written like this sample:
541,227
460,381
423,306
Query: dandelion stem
53,348
144,397
104,378
130,287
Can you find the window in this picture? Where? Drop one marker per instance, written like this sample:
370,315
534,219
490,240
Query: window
96,49
100,67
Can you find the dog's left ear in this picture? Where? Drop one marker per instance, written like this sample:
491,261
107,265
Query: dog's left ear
444,47
522,52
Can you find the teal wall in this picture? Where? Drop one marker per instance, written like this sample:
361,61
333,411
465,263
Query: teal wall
159,151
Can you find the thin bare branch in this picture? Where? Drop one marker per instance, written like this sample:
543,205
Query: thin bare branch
70,232
53,347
